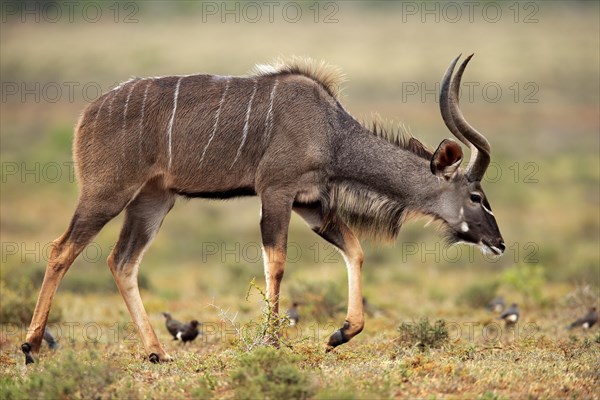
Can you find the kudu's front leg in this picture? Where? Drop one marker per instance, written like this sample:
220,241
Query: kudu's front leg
339,234
275,219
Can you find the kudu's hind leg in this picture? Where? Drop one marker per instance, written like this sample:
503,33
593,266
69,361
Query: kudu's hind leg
275,219
143,218
339,234
91,215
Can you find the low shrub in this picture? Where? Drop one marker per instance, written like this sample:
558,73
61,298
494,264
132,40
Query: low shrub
268,373
423,334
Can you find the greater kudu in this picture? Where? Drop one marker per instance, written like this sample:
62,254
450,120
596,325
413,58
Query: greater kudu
280,134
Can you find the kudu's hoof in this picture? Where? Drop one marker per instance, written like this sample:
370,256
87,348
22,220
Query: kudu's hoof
26,349
339,337
156,359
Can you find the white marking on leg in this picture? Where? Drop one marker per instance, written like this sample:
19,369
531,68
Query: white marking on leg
141,130
216,124
269,121
246,126
353,268
170,130
266,269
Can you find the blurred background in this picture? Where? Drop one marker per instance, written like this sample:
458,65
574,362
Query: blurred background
532,89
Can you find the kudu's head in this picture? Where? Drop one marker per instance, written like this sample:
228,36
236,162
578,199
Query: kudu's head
463,205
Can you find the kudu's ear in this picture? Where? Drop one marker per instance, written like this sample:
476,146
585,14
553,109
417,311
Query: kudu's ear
446,159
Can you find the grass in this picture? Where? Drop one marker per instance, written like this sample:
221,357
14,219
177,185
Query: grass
542,364
545,197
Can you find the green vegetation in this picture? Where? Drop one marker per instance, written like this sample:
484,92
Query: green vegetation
423,334
526,279
543,190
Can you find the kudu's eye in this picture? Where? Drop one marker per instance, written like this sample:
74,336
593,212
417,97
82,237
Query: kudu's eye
475,197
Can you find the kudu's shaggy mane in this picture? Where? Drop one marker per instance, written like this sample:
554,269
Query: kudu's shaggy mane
328,76
369,214
373,215
399,136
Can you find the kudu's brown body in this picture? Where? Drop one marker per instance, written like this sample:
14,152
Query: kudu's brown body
280,134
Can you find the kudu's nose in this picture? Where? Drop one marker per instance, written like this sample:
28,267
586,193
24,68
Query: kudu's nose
501,247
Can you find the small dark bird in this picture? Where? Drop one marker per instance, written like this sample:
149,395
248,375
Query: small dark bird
188,332
293,314
52,343
511,315
496,305
587,321
173,326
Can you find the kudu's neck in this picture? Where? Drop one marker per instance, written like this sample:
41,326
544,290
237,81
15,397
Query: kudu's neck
376,165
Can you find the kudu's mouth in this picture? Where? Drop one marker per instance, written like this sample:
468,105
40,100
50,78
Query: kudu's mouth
487,248
456,237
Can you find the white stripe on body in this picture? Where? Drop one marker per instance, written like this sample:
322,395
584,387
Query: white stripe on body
269,121
217,116
141,130
124,125
99,109
112,99
246,126
127,104
170,128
